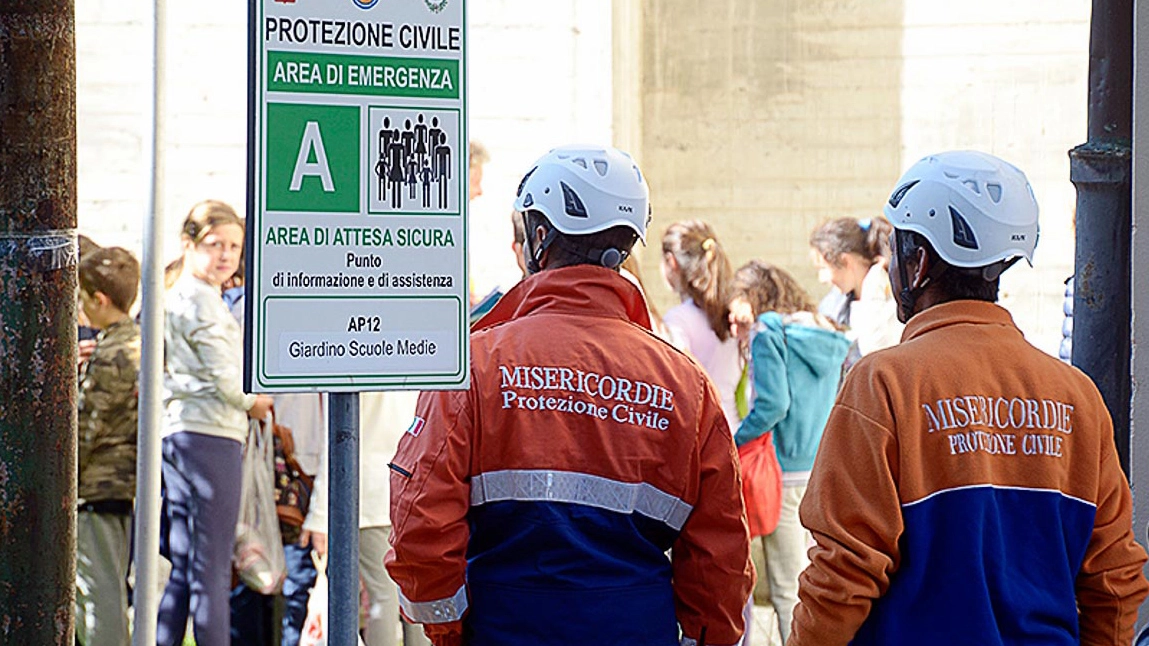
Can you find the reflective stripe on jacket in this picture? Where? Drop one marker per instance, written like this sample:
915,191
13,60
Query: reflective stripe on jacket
542,501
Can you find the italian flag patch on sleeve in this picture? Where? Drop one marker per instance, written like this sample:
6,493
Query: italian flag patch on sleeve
416,427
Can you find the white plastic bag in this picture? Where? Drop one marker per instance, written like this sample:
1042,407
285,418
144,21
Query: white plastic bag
315,628
259,558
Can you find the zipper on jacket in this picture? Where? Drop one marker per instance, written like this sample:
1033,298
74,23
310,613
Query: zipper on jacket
398,469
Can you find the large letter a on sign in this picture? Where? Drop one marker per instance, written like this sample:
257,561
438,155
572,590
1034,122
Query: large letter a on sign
312,140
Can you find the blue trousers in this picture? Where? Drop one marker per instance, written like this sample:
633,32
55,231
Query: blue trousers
251,617
252,613
202,481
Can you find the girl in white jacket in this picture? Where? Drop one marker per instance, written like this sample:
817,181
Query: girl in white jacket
854,255
205,426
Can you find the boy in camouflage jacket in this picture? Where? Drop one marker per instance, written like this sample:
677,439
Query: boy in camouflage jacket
107,419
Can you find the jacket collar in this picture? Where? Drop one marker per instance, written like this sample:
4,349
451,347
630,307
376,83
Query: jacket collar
121,326
962,312
581,290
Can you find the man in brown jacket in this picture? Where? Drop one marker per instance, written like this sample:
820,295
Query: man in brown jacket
967,489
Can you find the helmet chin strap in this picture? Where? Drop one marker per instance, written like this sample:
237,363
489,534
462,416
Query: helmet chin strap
908,297
610,257
534,256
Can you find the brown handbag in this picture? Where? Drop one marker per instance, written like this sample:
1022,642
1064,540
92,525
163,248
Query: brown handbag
292,484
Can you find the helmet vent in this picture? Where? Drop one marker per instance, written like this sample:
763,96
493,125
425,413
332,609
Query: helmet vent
963,233
900,193
601,167
528,201
972,185
994,191
579,161
524,181
571,202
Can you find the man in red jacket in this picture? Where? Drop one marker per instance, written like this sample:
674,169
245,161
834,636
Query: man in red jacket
967,488
538,506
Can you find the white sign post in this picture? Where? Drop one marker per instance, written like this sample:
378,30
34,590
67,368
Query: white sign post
357,222
357,196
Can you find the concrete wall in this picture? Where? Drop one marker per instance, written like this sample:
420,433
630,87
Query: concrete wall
540,77
205,116
110,104
767,118
1010,79
764,117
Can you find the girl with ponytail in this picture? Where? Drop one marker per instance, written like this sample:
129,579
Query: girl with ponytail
696,267
854,255
206,414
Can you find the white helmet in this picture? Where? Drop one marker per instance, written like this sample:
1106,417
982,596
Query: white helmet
586,189
975,209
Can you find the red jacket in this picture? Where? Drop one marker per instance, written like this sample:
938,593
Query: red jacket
542,501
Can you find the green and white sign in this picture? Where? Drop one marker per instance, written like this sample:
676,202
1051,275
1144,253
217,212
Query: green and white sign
357,276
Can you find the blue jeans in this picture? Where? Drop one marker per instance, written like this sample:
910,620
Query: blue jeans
251,617
1142,638
252,613
296,590
202,476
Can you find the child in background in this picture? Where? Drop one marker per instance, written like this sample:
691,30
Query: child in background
106,425
86,334
697,269
205,426
796,360
854,255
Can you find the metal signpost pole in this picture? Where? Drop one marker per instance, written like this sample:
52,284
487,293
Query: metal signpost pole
145,594
357,219
343,522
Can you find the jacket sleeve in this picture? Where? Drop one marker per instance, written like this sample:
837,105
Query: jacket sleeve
430,498
107,394
711,558
91,410
856,535
211,334
1110,585
771,385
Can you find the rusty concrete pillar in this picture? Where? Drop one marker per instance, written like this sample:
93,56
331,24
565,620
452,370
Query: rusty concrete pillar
37,321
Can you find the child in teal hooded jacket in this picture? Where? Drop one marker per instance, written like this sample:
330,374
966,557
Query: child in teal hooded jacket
795,358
